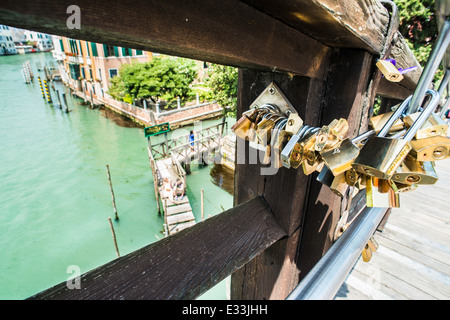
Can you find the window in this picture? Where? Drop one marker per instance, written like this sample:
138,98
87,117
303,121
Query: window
126,52
94,49
110,51
99,74
112,73
139,52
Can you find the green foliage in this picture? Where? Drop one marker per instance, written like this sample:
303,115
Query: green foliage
418,25
166,78
222,82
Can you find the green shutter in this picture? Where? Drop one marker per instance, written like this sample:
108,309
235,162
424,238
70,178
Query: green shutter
139,52
116,51
105,50
94,49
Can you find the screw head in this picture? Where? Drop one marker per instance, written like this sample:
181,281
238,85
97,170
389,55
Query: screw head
272,90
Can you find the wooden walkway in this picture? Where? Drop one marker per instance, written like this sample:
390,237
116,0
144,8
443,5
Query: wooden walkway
413,259
178,214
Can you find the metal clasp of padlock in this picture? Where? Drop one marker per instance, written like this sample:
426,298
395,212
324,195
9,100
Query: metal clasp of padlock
381,156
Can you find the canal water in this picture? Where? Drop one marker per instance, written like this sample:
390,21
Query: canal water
55,198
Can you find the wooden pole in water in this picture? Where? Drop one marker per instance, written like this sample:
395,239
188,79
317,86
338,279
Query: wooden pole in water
112,194
92,100
202,206
59,100
114,236
65,102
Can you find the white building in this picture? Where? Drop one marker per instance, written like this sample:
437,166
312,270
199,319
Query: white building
6,40
42,41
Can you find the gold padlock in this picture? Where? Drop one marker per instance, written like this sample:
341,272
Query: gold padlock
369,249
377,122
339,186
381,156
381,193
431,148
434,126
298,154
389,71
330,136
412,171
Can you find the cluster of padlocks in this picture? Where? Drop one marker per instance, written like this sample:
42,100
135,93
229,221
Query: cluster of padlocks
397,155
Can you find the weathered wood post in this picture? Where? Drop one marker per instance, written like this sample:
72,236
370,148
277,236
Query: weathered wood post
305,208
114,236
202,205
116,217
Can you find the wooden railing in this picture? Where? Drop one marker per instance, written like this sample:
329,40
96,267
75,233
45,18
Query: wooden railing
320,53
185,265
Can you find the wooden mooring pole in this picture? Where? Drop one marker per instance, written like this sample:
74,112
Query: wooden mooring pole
114,236
112,194
202,206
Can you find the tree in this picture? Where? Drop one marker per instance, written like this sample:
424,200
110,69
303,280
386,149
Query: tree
222,82
166,78
419,27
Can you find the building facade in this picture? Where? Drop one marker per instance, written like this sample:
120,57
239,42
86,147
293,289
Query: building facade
41,41
7,45
91,66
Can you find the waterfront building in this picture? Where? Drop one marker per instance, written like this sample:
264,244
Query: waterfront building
41,41
7,41
84,64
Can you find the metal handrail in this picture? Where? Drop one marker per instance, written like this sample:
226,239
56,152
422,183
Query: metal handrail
327,276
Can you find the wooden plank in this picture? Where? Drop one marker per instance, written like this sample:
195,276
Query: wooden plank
388,283
185,265
360,24
177,202
180,226
181,217
222,31
409,251
177,209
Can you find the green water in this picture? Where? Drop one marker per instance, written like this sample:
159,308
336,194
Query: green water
55,198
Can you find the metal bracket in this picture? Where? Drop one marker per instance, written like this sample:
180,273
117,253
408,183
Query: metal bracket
273,95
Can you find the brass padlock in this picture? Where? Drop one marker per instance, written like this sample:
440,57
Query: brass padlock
294,151
380,156
431,149
433,126
340,159
330,136
390,72
339,185
304,145
381,193
264,129
369,249
271,151
377,122
412,171
242,126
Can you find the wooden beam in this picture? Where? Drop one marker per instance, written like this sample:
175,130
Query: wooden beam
347,87
274,273
182,266
308,210
359,24
221,31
